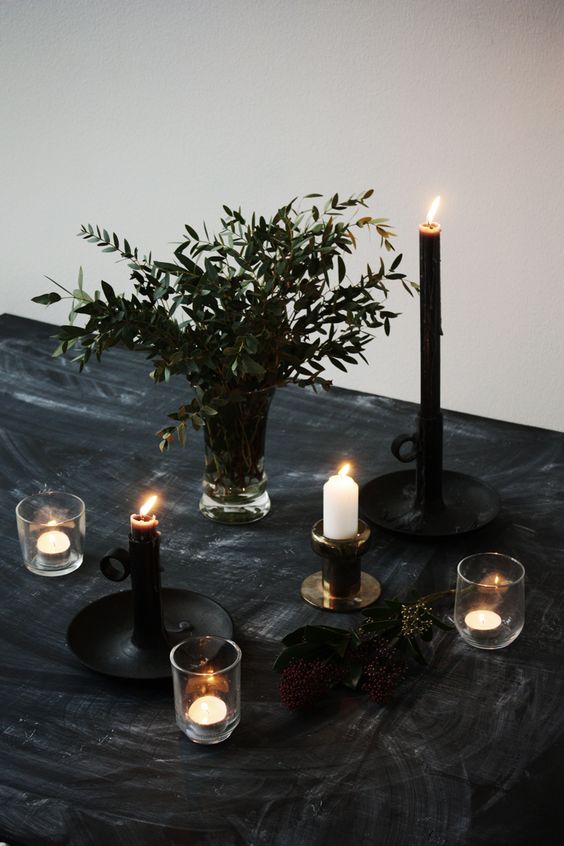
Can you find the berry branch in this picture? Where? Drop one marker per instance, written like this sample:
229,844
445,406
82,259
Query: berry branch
371,657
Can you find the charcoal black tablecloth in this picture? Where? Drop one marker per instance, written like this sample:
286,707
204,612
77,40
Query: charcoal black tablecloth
470,751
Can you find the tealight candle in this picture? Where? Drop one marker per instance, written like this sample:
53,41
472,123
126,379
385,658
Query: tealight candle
207,711
340,506
483,620
53,546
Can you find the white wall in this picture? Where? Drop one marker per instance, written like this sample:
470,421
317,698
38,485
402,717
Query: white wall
143,115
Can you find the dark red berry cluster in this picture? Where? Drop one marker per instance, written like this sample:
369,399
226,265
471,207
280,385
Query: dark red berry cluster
382,674
304,682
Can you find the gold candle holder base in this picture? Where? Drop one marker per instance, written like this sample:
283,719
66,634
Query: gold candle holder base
340,585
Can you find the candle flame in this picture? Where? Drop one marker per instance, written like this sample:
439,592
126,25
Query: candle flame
147,506
433,210
344,470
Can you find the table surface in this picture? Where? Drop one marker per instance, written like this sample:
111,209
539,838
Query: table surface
468,753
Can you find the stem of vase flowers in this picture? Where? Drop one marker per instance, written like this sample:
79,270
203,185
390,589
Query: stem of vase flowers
432,597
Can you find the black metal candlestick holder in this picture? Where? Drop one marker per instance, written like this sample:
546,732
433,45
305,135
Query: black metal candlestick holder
130,634
340,585
429,501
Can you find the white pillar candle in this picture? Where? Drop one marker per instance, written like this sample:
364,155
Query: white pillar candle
482,620
53,545
340,506
207,711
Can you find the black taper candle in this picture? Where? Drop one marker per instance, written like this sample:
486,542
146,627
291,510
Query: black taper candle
431,502
430,422
145,569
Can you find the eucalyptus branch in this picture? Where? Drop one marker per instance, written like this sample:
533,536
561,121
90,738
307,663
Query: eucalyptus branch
263,303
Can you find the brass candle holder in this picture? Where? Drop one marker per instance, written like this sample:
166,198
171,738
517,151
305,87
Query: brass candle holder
340,585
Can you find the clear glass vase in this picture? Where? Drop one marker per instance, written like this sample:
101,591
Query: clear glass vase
234,484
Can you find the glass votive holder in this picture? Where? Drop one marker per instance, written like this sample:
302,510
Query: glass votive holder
51,528
489,606
206,673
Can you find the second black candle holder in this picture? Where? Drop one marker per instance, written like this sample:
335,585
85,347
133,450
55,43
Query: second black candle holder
130,634
430,502
427,501
340,585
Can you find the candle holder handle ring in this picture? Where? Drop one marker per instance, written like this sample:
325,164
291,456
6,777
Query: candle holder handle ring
398,443
340,585
115,564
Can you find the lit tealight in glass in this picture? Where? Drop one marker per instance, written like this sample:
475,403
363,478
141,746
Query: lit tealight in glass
53,545
206,674
483,620
51,527
207,711
489,605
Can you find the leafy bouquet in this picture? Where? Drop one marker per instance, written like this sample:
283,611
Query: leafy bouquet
263,303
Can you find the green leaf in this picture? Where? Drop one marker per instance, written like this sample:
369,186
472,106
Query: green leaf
60,350
192,232
69,333
338,364
109,292
353,675
47,299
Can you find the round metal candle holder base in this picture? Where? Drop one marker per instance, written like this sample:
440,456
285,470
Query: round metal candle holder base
100,634
313,592
340,585
389,502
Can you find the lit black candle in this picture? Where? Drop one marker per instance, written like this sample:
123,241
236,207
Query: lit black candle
143,526
430,303
430,429
144,543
